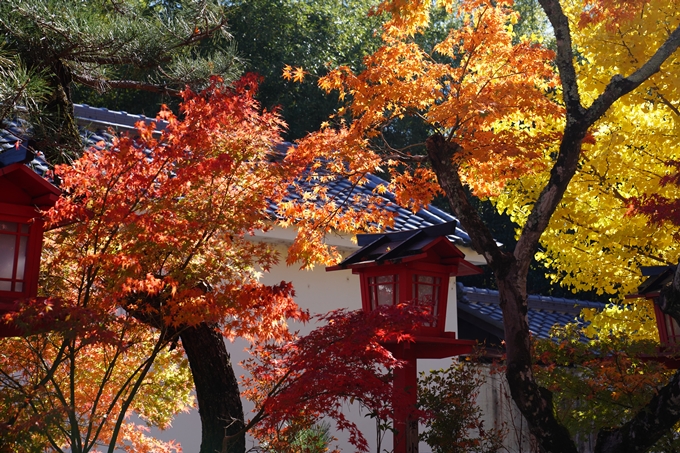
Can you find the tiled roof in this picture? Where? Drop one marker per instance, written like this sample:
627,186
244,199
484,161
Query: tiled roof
480,306
544,312
341,189
96,125
657,278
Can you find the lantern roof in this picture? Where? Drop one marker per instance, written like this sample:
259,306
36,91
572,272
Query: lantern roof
657,278
429,245
21,185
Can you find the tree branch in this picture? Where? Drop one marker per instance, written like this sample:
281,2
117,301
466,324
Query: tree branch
565,57
619,85
650,423
103,85
441,154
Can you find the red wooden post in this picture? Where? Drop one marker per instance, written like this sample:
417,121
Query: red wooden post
406,392
411,267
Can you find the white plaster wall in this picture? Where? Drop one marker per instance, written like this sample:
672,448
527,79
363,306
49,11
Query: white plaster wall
500,412
319,292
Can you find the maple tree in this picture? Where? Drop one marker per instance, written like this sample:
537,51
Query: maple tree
296,383
506,114
159,226
71,390
150,245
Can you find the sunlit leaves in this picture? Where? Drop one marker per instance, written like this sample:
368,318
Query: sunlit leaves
340,362
603,370
481,87
592,242
160,216
152,235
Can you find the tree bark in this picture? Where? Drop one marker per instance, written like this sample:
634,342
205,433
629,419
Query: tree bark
57,133
510,270
534,402
217,391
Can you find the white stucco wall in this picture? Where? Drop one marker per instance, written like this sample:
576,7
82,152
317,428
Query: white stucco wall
319,292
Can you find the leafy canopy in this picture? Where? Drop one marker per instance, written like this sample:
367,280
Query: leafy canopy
150,237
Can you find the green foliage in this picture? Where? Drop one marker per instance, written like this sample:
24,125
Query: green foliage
532,21
99,45
455,422
311,34
303,437
314,439
19,86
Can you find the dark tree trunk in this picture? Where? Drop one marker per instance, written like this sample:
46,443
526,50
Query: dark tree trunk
510,269
55,131
534,402
217,391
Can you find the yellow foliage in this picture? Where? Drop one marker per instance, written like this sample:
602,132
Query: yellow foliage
591,242
634,321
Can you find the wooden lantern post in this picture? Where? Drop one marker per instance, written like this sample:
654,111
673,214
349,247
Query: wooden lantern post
669,330
23,194
412,267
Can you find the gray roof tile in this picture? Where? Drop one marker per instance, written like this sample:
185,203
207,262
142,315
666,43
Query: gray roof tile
544,311
95,124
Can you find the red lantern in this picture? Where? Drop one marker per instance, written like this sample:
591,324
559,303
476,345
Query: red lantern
659,277
669,330
23,194
412,267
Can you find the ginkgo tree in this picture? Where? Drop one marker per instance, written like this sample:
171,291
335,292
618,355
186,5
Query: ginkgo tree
633,142
503,108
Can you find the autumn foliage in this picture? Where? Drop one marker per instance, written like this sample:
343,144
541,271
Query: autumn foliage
657,207
603,369
562,141
159,224
151,236
341,362
480,86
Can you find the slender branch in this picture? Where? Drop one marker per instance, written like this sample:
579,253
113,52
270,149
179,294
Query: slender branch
104,381
259,416
47,378
666,102
143,370
100,84
565,57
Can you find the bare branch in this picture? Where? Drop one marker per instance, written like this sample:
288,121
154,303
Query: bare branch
103,85
565,56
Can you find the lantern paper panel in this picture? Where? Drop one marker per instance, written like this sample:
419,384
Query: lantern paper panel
13,249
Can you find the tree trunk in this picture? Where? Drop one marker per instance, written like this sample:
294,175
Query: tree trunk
534,402
55,131
217,391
